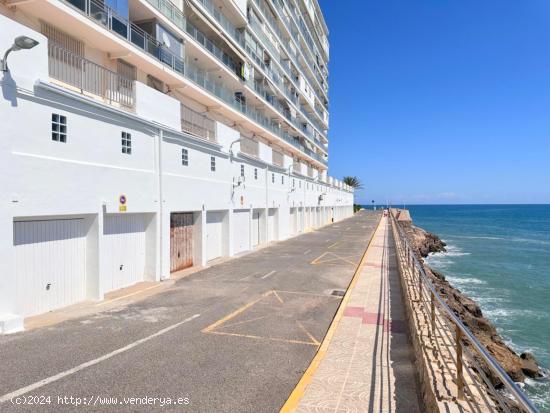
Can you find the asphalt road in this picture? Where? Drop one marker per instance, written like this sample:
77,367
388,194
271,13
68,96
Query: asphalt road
235,337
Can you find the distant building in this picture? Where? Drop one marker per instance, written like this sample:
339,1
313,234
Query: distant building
142,137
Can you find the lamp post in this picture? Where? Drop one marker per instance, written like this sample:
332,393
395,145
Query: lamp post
373,207
20,43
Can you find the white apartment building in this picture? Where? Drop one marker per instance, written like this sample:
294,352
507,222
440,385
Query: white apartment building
142,137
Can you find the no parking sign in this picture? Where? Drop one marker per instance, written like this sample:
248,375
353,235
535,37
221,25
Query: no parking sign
122,203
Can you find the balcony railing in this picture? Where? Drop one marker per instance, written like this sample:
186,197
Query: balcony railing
106,17
168,9
197,124
229,27
176,16
102,14
90,77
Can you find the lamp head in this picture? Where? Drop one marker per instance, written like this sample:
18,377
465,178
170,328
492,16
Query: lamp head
20,43
23,42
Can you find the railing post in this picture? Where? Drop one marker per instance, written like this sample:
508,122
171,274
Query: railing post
419,284
432,305
459,364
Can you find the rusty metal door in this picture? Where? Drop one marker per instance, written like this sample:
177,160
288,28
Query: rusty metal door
181,241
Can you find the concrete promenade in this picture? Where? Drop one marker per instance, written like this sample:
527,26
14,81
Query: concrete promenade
235,337
366,363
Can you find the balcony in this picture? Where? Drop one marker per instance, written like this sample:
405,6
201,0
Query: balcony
176,16
103,15
249,147
107,18
89,77
197,124
236,34
278,158
166,8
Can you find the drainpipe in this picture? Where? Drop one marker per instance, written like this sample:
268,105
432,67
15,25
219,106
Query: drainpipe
266,211
160,196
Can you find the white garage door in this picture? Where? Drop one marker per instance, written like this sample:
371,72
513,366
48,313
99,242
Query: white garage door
317,217
214,234
50,264
124,239
272,225
241,231
255,228
293,221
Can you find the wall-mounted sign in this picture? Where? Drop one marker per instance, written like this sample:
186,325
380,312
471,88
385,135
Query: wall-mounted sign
122,203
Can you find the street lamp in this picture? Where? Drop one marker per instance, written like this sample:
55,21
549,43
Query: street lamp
20,43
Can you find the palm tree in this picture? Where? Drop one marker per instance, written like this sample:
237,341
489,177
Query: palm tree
353,181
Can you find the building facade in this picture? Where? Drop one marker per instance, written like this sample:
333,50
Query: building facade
143,137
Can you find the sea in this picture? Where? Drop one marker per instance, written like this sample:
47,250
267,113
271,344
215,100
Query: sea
499,255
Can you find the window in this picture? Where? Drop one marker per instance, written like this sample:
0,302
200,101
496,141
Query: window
126,143
242,170
213,163
59,128
255,173
184,157
282,179
272,178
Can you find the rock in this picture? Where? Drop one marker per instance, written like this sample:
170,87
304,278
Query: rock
529,365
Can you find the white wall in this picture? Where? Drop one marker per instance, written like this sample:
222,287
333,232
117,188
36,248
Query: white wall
86,176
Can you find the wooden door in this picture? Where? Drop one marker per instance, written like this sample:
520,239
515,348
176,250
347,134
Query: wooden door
181,241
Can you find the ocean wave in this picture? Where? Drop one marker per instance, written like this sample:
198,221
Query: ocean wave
511,312
530,241
482,301
477,237
452,251
538,390
466,280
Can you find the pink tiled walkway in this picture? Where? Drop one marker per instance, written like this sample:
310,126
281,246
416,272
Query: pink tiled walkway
368,366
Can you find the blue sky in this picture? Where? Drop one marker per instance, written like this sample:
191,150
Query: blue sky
440,101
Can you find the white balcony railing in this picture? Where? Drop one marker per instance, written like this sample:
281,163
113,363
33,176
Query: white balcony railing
90,77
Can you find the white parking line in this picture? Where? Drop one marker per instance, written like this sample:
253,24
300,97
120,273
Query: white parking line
307,252
41,383
269,274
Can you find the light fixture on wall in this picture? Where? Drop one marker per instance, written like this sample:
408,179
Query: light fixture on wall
20,43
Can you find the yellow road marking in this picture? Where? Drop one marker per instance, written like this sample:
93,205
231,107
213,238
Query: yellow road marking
278,297
333,245
284,340
234,313
307,333
317,260
242,322
294,398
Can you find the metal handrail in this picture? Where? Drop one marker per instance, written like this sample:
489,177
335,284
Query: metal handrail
90,77
462,332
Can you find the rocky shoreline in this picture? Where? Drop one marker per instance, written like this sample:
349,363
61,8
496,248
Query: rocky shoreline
518,366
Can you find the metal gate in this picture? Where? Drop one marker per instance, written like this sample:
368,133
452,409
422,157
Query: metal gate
181,241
